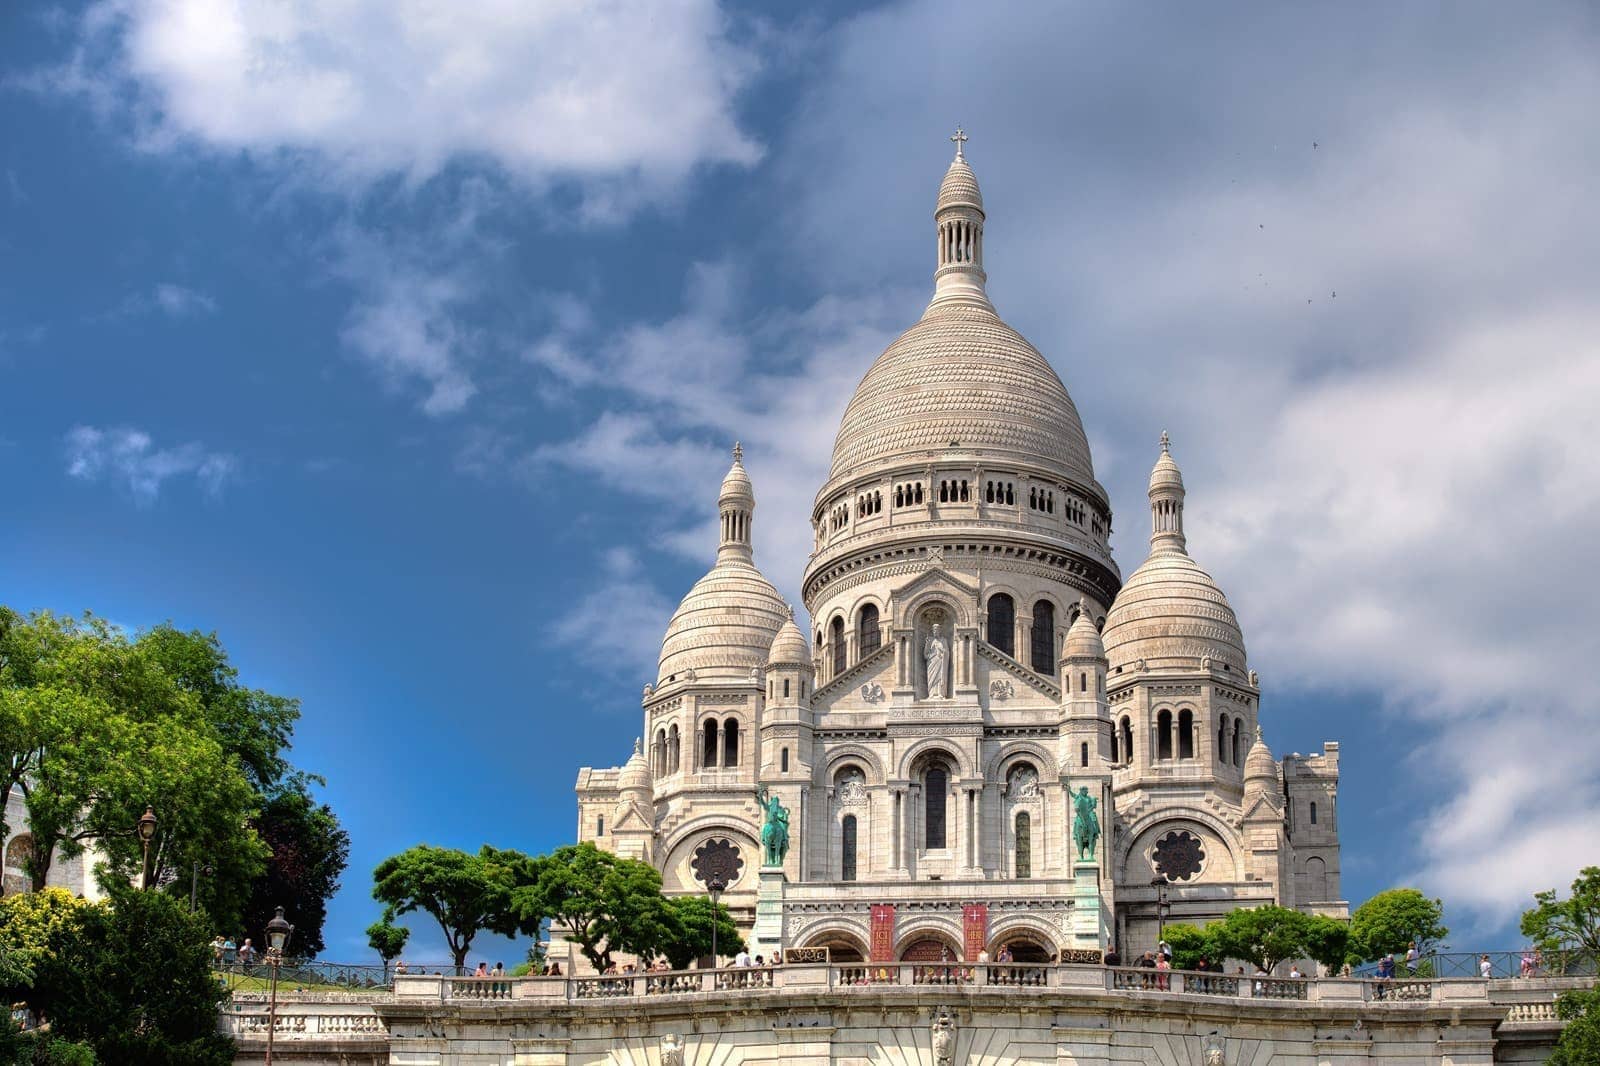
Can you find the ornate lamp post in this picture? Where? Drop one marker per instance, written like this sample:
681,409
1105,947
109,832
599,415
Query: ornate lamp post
715,883
278,933
147,832
1163,908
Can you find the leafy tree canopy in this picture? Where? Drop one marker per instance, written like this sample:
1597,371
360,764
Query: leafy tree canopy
1189,945
604,902
131,979
1391,921
691,919
1579,1043
387,939
309,852
1573,922
1269,935
461,891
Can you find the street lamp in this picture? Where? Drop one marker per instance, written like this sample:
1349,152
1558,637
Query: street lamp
147,832
278,933
715,883
1163,908
194,880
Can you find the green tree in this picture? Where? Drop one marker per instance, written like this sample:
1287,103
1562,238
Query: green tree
1327,940
387,939
1391,921
29,923
691,919
1189,945
1265,935
1574,922
132,979
464,893
604,902
1579,1043
309,852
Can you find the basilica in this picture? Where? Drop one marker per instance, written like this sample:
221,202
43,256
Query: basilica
974,677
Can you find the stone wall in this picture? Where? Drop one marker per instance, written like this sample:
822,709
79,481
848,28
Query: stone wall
888,1015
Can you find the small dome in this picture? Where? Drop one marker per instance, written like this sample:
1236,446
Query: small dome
1172,614
736,486
789,647
1083,639
1259,765
635,774
724,626
1165,476
959,188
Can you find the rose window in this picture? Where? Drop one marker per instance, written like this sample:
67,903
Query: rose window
717,860
1178,855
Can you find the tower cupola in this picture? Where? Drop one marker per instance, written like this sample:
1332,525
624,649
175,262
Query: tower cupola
1166,502
736,504
959,217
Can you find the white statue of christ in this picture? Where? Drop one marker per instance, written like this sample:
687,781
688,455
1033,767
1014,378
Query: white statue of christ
936,654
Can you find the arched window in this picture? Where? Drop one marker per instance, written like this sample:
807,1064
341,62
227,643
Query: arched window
730,742
1186,734
1316,879
1115,745
935,788
1313,812
600,826
1164,735
1083,754
1127,739
837,629
708,749
786,688
783,760
658,753
1024,864
847,848
868,636
1044,637
1002,623
1222,739
1237,741
673,764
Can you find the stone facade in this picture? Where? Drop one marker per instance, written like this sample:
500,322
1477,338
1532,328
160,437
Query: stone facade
973,659
76,874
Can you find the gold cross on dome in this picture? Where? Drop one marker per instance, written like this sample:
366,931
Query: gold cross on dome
960,138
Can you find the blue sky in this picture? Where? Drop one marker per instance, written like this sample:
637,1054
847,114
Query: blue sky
402,344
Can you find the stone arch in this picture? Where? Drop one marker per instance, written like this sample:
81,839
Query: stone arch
1175,818
1029,926
1316,879
18,851
927,746
860,754
930,927
833,936
1035,752
947,596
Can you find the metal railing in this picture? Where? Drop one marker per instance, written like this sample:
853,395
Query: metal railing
1503,965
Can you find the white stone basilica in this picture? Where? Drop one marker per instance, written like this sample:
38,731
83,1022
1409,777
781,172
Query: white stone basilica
975,658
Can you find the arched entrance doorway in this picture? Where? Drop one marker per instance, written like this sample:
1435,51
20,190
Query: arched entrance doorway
1024,947
929,949
841,947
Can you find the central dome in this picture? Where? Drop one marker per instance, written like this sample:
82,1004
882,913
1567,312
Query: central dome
962,380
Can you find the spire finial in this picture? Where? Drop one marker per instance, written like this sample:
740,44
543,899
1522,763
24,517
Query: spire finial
790,607
960,138
638,745
1166,442
738,452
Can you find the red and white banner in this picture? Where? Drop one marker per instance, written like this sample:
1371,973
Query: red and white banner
974,929
882,932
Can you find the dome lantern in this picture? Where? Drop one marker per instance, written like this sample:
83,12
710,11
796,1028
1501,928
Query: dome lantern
1166,502
736,504
959,216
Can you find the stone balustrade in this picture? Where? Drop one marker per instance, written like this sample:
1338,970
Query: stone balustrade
297,1023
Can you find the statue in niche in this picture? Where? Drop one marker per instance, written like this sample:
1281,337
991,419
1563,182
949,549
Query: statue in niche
1022,783
852,788
672,1050
1085,823
774,827
936,658
944,1038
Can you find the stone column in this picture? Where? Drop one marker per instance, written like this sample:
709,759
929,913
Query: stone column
897,807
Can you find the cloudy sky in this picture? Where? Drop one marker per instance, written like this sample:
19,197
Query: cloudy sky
402,343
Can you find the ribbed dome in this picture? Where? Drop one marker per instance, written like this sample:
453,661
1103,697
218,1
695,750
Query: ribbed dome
960,187
736,486
1165,475
789,647
1083,639
1171,614
724,626
1259,765
635,775
962,380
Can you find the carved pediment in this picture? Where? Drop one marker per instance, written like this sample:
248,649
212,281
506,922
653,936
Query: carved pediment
930,584
1038,682
876,669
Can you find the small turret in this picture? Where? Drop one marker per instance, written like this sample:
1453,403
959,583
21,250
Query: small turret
1083,692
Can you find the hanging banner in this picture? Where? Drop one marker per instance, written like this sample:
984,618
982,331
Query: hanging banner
882,932
974,929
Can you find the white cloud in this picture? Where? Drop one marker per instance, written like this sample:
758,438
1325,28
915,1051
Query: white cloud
128,458
170,299
618,623
625,98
